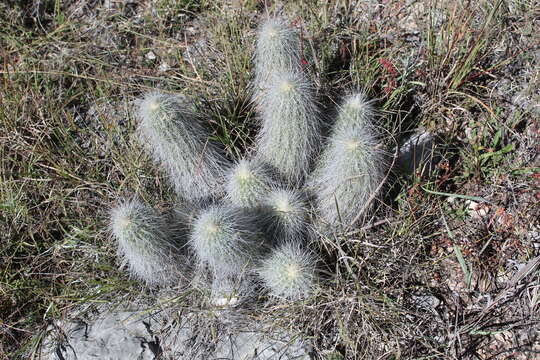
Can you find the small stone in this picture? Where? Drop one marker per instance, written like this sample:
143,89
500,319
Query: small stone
476,210
451,199
426,302
163,67
418,154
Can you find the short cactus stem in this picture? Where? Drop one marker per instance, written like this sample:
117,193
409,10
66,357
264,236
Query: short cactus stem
153,251
348,173
285,215
179,140
355,110
227,239
290,135
277,50
289,272
248,183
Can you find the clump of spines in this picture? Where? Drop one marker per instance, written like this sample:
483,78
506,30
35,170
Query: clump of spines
248,183
180,141
289,271
355,111
277,50
290,135
152,249
285,215
227,239
351,168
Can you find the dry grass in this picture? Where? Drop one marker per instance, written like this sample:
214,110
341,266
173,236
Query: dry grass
427,278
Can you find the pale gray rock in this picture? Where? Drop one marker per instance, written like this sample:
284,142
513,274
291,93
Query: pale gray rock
418,154
232,337
111,336
119,335
249,345
426,302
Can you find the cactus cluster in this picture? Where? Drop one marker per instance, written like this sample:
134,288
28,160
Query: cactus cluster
249,221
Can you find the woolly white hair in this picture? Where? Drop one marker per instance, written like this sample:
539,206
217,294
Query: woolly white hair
179,140
289,271
248,182
290,135
227,239
285,214
277,50
355,110
153,251
348,174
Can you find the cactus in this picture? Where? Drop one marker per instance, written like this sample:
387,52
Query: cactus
226,239
289,271
178,139
154,252
285,215
265,196
351,168
248,183
355,110
277,50
290,135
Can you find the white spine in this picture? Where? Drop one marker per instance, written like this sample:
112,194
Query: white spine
289,272
153,251
277,50
248,183
290,135
227,239
351,168
179,140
